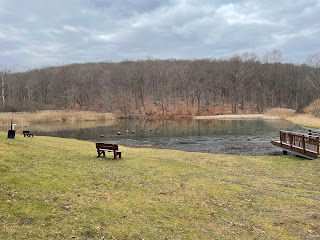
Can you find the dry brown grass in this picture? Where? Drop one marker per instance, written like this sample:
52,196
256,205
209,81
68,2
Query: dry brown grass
271,114
280,113
314,107
26,118
307,120
311,116
238,117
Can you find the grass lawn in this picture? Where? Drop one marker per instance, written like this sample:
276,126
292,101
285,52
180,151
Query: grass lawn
54,188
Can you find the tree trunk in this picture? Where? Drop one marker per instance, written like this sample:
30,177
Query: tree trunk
2,92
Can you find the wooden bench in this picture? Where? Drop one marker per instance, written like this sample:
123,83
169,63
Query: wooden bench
27,133
108,147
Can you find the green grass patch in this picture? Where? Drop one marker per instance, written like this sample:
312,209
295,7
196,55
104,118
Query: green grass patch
55,188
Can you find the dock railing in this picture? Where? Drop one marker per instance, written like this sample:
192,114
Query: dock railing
314,133
306,144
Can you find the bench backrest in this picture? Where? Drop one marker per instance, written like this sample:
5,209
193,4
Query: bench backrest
107,146
25,132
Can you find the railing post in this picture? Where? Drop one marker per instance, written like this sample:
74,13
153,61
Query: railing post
303,144
280,138
317,142
290,139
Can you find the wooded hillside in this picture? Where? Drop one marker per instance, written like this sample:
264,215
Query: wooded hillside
164,88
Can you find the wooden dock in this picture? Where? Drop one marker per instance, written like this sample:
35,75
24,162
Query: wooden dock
305,145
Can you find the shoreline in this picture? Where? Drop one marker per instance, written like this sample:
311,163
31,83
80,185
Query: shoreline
55,116
306,120
239,117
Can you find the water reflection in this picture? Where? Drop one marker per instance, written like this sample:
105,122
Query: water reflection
244,137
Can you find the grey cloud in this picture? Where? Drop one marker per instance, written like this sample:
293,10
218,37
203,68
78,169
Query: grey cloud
38,32
129,7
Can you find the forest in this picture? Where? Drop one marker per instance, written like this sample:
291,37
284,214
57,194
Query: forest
170,88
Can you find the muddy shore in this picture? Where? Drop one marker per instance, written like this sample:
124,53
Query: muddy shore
239,117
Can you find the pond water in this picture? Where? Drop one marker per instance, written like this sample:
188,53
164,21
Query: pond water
241,137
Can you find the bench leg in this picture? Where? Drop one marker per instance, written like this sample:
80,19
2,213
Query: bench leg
101,152
115,154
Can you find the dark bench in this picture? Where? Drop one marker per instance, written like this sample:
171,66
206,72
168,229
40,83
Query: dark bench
108,147
27,133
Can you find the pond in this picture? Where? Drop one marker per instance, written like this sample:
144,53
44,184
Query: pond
241,137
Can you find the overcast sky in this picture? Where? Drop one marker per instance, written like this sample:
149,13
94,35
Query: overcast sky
35,33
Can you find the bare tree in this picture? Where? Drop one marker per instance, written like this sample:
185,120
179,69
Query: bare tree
166,88
313,79
4,74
